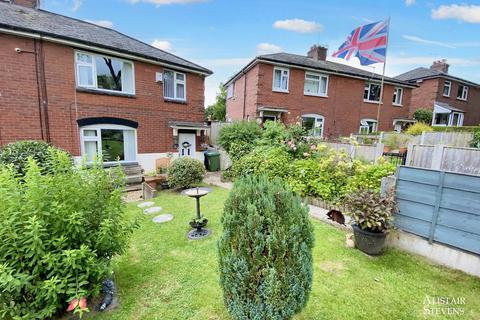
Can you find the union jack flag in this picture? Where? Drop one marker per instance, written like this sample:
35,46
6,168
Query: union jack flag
368,43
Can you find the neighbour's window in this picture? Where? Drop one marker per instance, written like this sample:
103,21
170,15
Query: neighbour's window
313,124
397,96
372,92
315,84
280,79
441,119
111,142
230,90
447,85
462,92
174,85
367,126
104,73
457,119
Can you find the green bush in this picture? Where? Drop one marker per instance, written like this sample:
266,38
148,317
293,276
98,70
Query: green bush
265,252
416,129
455,129
423,115
369,176
475,143
242,132
185,172
58,234
17,154
272,161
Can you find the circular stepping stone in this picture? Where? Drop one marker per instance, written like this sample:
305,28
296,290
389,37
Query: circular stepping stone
163,218
152,210
146,204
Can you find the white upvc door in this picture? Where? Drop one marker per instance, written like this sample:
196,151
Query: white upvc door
186,145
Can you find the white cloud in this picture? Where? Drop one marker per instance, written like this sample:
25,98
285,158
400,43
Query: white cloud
162,44
298,25
426,41
77,4
462,12
409,3
165,2
102,23
266,48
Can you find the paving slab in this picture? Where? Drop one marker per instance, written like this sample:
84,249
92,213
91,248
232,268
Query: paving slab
146,204
152,210
163,218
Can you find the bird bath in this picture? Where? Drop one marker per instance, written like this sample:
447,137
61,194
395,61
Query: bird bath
198,224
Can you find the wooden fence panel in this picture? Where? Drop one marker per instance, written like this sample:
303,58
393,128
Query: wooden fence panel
454,139
441,206
465,160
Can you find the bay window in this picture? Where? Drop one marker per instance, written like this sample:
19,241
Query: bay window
110,142
280,79
315,84
372,92
313,124
174,85
104,73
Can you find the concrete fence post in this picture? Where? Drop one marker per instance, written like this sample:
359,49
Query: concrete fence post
437,156
422,138
378,151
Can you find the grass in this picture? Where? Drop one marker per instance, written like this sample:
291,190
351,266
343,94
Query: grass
166,276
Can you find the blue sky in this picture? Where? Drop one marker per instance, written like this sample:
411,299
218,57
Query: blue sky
224,35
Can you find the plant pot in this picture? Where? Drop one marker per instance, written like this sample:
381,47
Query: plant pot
198,224
371,243
402,150
386,149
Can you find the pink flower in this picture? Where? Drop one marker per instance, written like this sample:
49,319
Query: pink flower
73,304
306,154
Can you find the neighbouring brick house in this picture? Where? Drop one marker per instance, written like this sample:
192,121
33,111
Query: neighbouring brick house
454,101
89,89
329,98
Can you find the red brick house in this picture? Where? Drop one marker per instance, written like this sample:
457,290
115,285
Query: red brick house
454,101
92,90
329,98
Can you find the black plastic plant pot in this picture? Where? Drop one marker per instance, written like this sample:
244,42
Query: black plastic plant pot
196,224
371,243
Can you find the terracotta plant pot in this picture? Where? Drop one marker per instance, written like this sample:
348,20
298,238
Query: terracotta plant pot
386,149
402,150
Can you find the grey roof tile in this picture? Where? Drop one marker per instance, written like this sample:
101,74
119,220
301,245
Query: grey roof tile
426,73
54,25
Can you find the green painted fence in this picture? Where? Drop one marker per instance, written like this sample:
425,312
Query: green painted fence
441,206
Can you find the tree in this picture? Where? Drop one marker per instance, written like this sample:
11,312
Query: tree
218,110
265,252
423,115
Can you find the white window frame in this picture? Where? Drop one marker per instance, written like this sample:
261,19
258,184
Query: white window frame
464,96
317,117
231,90
98,139
368,95
282,70
364,124
175,82
451,117
449,85
396,91
320,76
93,65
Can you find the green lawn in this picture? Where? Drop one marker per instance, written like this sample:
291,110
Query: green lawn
166,276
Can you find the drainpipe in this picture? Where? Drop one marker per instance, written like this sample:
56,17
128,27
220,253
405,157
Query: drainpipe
244,93
42,89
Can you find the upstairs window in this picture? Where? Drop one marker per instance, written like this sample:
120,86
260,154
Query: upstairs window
462,93
174,85
230,90
104,73
397,96
280,79
315,84
367,126
447,85
372,92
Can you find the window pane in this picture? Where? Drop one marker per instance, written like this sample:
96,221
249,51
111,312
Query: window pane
312,77
441,118
456,117
85,76
311,86
323,85
168,85
230,91
85,58
374,93
127,77
308,123
91,150
90,133
446,89
180,91
365,92
277,78
112,145
180,77
284,82
109,73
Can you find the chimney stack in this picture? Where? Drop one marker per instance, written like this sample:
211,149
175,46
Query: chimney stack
440,65
34,4
317,53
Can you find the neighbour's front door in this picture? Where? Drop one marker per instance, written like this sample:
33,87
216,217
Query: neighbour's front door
186,145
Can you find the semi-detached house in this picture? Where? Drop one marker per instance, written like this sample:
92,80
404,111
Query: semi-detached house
328,98
92,90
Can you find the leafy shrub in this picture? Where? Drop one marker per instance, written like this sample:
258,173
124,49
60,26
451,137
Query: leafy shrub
369,176
17,154
241,132
265,251
59,233
185,172
397,140
455,129
370,210
272,161
274,133
416,129
475,143
423,115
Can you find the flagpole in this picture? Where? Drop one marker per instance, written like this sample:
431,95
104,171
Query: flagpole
383,77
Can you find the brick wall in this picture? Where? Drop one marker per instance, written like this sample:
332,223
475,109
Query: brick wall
342,109
19,100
